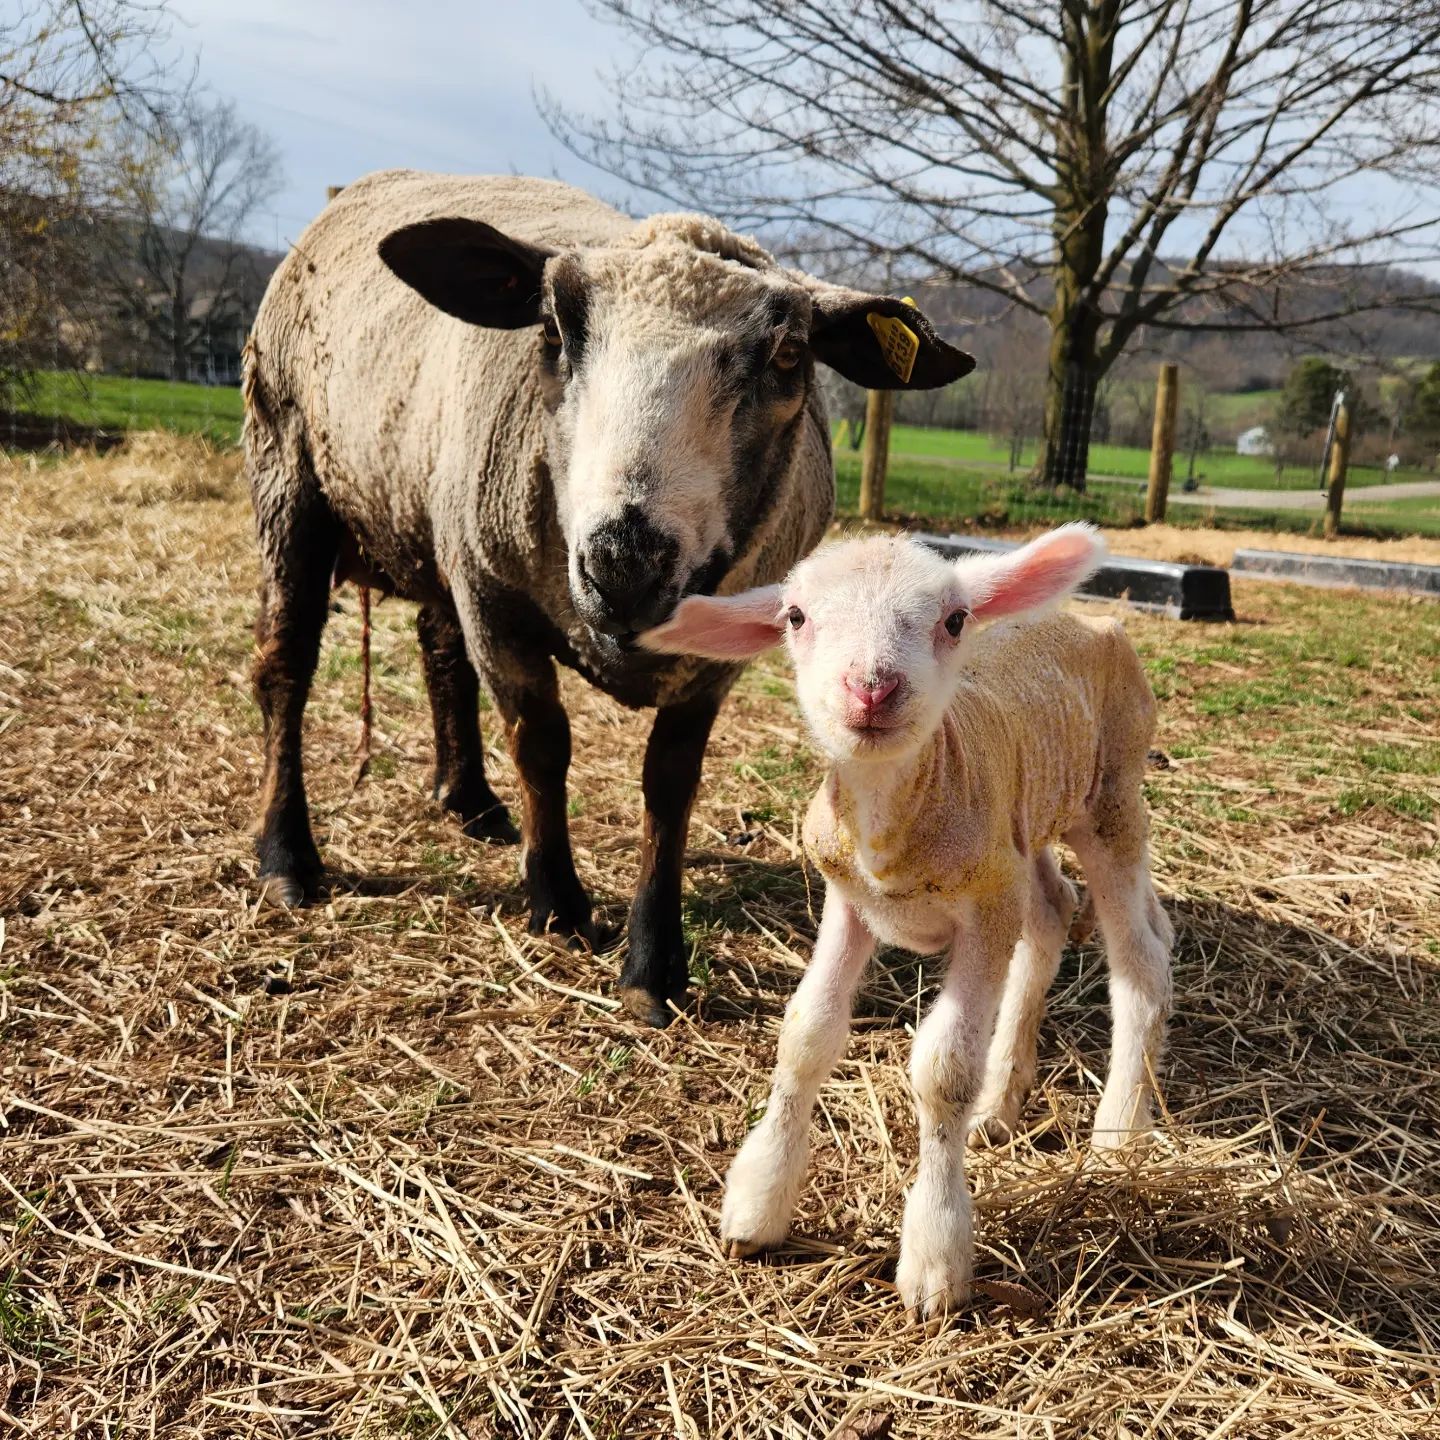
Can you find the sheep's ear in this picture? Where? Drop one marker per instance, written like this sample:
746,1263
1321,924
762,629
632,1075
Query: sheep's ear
469,270
880,342
1036,575
721,627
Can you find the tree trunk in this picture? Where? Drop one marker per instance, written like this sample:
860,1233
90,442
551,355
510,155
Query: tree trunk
1070,383
179,332
1075,369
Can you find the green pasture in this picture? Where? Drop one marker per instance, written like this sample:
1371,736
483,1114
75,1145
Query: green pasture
119,403
943,494
938,476
1220,468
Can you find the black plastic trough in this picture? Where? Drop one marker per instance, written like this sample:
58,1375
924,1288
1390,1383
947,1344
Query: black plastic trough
1186,592
1338,570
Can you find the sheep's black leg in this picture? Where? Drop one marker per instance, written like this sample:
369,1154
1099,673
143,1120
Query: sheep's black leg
540,747
656,970
298,556
460,783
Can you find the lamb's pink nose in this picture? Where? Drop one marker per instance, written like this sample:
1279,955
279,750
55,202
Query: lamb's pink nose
872,690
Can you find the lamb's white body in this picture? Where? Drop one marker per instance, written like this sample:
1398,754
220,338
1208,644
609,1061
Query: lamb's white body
933,831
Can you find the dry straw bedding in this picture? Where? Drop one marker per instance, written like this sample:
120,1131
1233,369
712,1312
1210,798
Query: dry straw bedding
390,1166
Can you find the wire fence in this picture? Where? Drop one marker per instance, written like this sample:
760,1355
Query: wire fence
950,478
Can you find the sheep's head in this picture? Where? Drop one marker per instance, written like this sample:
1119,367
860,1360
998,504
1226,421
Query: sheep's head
878,628
675,368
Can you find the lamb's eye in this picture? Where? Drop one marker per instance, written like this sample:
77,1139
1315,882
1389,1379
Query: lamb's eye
954,623
787,357
796,617
551,331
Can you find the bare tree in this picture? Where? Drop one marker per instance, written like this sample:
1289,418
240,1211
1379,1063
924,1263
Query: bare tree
189,195
1012,395
1108,165
70,70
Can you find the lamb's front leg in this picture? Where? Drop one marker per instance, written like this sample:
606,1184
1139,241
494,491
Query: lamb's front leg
765,1179
936,1250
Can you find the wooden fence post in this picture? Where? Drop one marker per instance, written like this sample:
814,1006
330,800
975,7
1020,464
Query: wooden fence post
1339,463
875,458
331,191
1162,442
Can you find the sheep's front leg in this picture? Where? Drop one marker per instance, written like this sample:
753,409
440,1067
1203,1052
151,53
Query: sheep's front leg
936,1252
656,970
764,1182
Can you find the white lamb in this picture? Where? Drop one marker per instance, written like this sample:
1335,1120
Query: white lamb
959,755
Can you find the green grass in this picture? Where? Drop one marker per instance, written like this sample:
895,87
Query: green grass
1222,468
944,494
119,403
938,475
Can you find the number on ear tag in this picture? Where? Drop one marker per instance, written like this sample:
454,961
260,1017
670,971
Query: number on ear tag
899,344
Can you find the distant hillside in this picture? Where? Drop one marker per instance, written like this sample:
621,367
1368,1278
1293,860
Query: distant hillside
1259,360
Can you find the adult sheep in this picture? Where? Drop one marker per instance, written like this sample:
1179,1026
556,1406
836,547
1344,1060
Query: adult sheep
545,423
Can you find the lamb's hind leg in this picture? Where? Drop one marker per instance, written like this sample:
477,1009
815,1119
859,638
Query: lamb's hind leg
454,688
1138,939
1010,1063
298,543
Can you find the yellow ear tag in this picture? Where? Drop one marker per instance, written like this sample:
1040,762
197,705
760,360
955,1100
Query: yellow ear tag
899,344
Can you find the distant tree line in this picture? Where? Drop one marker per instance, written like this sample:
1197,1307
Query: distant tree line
125,195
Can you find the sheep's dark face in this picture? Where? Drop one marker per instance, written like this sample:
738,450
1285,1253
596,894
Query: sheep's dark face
676,384
675,369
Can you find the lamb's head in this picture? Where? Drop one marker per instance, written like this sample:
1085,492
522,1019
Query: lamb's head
878,628
675,368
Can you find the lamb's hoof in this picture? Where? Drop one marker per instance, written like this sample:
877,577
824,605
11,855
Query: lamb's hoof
933,1294
992,1128
287,892
653,1010
737,1249
1119,1147
492,827
759,1198
1082,923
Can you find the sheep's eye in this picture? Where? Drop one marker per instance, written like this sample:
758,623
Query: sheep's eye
954,623
796,617
551,331
787,357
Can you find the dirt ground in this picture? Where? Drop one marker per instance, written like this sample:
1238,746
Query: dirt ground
390,1166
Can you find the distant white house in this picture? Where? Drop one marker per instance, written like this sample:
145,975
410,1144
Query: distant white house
1254,442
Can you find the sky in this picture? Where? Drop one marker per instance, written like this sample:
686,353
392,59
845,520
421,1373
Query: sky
349,86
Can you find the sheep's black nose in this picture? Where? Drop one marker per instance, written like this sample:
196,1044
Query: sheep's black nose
626,569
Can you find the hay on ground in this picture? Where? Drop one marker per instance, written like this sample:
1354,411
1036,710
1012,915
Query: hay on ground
390,1166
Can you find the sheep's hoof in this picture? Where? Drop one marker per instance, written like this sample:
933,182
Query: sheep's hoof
288,892
492,827
481,812
553,912
654,1010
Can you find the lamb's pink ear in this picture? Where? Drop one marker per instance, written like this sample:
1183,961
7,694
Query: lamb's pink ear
721,627
1036,575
